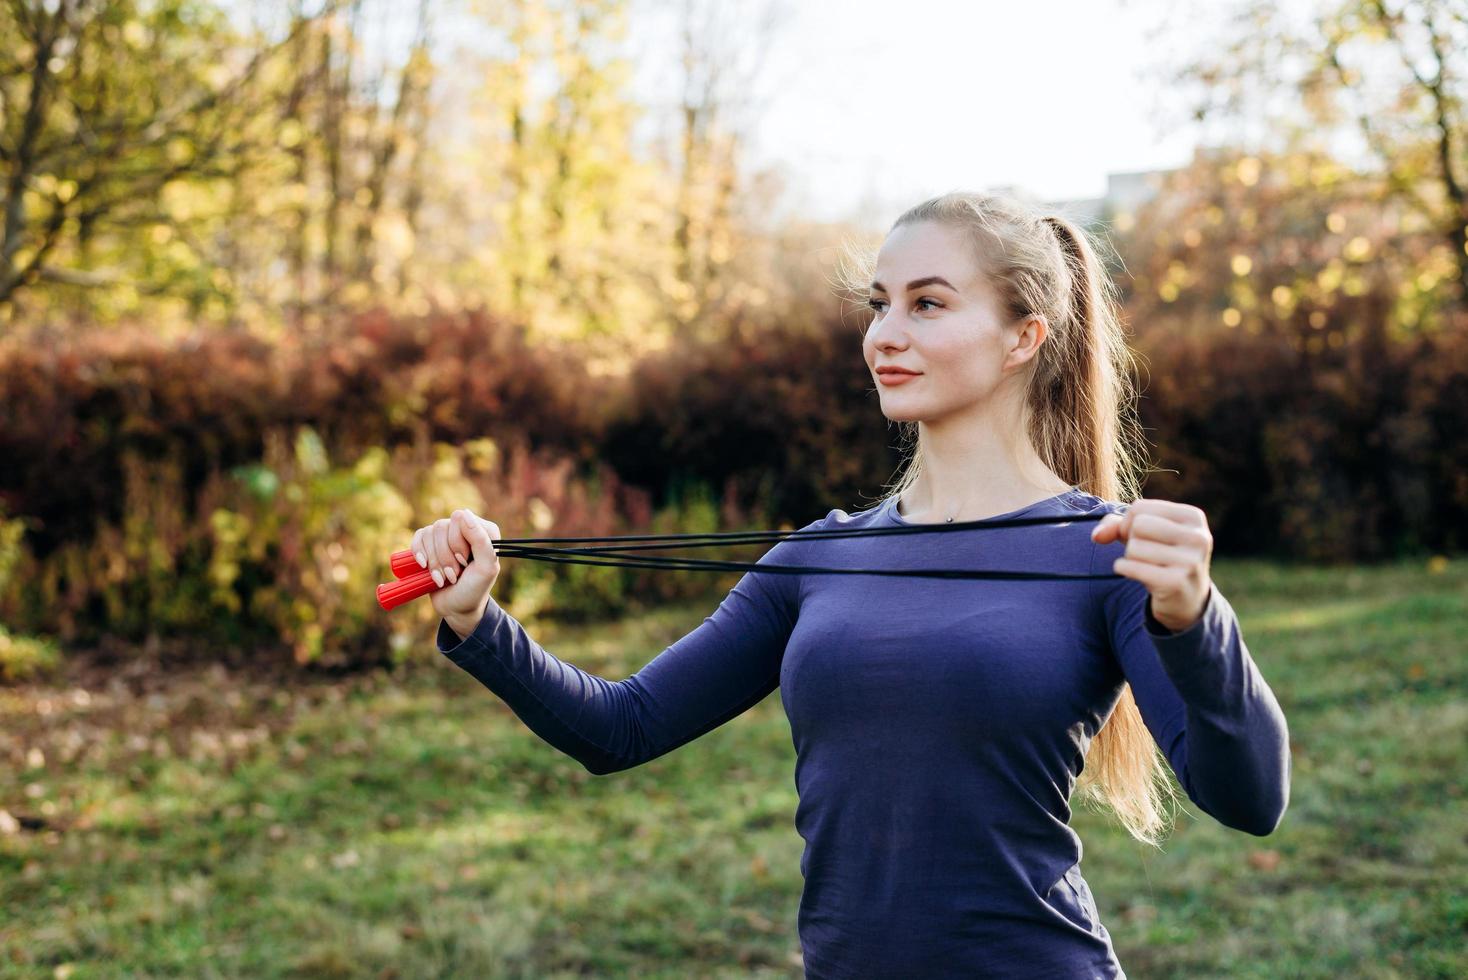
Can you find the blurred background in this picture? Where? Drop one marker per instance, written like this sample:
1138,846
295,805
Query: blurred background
281,282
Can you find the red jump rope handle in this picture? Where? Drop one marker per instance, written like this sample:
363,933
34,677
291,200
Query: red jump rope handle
393,594
412,582
404,564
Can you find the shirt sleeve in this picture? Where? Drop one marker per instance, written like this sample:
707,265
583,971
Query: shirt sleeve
722,668
1203,699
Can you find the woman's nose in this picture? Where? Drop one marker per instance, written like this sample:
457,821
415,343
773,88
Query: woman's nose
888,331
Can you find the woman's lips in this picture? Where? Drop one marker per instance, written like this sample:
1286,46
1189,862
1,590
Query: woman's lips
896,377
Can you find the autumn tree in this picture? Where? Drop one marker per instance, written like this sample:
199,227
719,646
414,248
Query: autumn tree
342,194
566,215
1276,244
110,108
1388,77
722,53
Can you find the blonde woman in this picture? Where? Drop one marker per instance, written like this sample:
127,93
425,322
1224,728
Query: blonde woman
942,726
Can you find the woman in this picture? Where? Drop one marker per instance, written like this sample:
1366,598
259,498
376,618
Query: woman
941,725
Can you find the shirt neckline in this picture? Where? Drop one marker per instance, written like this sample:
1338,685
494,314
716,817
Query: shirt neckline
889,510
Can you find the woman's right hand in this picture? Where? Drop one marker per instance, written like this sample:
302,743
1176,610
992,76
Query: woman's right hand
445,547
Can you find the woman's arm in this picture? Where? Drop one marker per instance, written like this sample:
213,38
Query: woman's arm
1204,701
718,671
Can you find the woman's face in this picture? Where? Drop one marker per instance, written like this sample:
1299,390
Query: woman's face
935,314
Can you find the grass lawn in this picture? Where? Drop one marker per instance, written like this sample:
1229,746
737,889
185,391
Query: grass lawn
207,822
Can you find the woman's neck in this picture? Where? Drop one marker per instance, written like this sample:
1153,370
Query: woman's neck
978,505
976,484
974,474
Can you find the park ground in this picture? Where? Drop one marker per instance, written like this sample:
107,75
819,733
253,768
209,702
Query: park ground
218,821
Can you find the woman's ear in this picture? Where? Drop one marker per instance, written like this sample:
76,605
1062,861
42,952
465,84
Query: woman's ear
1032,333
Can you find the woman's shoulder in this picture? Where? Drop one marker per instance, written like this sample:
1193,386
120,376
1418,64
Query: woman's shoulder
1089,503
1078,501
838,517
875,515
835,519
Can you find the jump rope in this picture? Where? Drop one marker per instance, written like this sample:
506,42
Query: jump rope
414,582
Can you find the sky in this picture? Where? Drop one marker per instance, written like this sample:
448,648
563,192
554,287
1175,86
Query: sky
872,105
869,106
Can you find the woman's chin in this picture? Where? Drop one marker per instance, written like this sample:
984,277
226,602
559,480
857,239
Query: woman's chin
900,405
904,413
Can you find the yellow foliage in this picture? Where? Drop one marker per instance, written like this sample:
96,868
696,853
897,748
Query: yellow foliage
135,34
1358,249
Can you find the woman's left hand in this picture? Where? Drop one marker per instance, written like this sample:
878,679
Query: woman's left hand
1168,546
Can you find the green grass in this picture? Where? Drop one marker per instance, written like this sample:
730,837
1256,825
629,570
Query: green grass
210,823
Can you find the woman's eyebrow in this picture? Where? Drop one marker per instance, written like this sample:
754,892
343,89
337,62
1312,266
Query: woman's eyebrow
919,283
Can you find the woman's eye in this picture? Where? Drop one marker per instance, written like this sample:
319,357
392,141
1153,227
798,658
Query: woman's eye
877,304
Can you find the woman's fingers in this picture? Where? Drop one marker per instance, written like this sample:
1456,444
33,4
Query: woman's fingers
442,559
445,545
482,540
430,550
481,534
1107,529
418,548
459,544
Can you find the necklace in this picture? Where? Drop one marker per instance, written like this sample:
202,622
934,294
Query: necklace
949,520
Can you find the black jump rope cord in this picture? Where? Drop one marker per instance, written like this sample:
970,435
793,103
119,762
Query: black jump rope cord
524,548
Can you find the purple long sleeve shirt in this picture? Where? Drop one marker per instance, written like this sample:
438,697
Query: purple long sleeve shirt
939,727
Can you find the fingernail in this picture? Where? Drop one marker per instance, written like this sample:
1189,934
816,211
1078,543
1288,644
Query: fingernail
438,578
453,575
422,562
462,559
